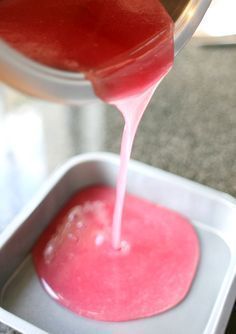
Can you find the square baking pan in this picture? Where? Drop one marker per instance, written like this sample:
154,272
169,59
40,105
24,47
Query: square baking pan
26,307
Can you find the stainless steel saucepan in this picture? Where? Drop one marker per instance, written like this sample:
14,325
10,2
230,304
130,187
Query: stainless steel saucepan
43,82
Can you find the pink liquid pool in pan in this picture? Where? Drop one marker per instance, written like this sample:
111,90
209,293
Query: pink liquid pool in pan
150,273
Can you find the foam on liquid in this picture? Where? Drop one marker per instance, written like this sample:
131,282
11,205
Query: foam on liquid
124,48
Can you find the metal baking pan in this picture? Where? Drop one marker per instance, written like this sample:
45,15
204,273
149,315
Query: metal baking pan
26,307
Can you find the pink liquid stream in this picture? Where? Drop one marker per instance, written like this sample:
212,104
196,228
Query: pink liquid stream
132,119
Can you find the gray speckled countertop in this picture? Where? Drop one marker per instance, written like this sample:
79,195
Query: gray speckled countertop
189,129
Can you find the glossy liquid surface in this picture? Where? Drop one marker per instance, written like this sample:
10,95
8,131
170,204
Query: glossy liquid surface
151,272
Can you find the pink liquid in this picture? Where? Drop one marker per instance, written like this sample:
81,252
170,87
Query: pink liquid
151,273
84,261
137,104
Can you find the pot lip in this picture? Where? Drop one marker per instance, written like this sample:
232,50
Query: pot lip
188,22
24,73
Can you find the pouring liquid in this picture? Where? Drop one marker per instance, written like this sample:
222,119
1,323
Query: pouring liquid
84,261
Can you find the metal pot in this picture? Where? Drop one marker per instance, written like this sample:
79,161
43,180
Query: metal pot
46,83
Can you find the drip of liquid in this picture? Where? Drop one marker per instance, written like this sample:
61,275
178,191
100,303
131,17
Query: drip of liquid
124,48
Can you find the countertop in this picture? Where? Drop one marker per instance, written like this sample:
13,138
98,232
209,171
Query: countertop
189,129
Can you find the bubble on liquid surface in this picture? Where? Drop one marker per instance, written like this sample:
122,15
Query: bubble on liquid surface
75,213
99,239
124,247
79,224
